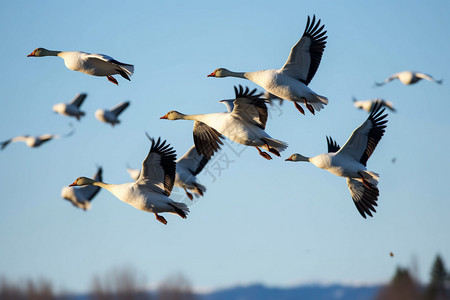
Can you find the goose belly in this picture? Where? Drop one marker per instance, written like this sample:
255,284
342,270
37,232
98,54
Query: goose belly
291,89
249,135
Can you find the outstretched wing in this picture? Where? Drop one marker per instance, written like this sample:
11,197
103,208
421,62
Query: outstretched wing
249,107
229,104
192,161
158,168
427,77
389,79
365,138
332,145
119,108
78,100
306,55
206,139
364,198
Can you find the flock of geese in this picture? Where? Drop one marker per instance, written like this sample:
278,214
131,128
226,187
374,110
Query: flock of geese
243,123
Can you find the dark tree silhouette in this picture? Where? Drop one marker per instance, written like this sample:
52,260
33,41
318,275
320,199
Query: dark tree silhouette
402,286
176,287
436,289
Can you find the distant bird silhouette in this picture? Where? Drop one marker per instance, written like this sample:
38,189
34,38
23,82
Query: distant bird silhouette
151,191
408,77
350,160
111,116
82,196
89,63
72,108
368,104
34,141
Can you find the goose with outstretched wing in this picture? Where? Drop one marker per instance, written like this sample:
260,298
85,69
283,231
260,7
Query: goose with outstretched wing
291,81
350,160
151,191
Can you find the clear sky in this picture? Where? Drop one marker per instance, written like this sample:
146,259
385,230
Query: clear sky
272,222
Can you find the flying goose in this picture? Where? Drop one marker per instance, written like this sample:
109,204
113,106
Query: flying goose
408,77
82,196
368,104
71,109
291,81
111,115
244,125
34,141
350,160
151,191
89,63
188,167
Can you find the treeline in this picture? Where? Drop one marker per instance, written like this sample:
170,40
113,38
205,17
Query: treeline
123,284
405,286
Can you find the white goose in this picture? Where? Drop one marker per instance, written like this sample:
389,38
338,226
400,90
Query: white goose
151,191
408,77
34,141
111,116
291,81
82,196
368,104
89,63
71,109
188,167
350,160
244,125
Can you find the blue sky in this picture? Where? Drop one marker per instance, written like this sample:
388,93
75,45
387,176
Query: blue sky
263,221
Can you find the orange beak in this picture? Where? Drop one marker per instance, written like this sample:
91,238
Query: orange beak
74,183
164,117
31,54
288,159
213,74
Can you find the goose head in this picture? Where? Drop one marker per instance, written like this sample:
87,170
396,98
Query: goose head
82,181
220,72
173,115
297,157
39,52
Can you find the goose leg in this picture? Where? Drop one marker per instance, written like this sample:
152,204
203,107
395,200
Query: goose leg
198,190
112,79
264,154
309,107
300,109
160,218
273,150
366,183
189,194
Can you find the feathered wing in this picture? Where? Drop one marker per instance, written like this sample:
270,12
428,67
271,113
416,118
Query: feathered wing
89,191
229,104
427,77
249,107
78,100
158,168
364,198
305,56
365,138
389,79
192,161
206,139
127,69
119,108
332,145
